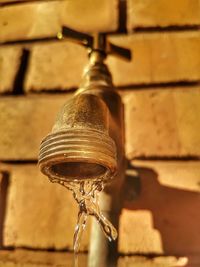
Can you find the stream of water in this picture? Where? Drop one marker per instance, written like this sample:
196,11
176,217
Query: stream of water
86,193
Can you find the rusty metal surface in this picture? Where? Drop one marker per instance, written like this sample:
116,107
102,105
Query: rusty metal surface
82,144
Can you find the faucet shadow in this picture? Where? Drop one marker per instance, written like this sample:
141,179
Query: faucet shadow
175,212
4,184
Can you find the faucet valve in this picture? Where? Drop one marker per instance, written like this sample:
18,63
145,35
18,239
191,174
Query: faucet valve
97,42
86,138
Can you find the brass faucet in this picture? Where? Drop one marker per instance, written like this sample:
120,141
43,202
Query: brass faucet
87,139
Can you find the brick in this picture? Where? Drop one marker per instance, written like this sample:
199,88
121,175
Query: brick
162,13
30,258
55,66
139,261
44,19
91,16
10,59
175,174
137,233
29,20
162,122
39,214
157,58
25,121
163,218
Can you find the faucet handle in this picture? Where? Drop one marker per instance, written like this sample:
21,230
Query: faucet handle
75,36
119,51
97,42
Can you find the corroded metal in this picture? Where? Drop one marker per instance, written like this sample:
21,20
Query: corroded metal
82,144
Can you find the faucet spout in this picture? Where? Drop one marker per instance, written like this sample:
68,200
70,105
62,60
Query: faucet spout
84,141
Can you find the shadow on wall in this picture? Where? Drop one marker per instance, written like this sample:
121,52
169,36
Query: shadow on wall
175,212
4,183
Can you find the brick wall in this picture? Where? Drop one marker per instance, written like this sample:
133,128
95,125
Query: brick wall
160,89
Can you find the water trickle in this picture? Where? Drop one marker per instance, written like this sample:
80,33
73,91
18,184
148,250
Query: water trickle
86,193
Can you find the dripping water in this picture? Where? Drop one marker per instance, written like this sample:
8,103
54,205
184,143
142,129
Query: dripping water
86,193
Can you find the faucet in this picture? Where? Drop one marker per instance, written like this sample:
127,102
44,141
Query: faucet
87,139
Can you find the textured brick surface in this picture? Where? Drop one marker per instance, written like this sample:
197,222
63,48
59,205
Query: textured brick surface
29,20
163,216
163,122
137,233
91,15
157,57
24,122
39,214
150,13
44,19
174,174
10,58
139,261
55,66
